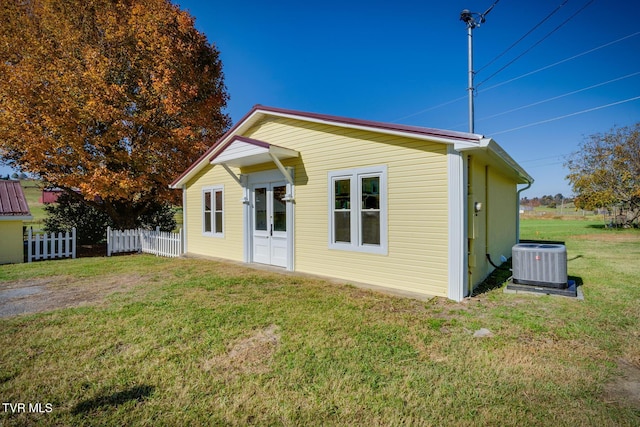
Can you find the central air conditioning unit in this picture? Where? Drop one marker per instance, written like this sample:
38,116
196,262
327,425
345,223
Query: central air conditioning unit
540,264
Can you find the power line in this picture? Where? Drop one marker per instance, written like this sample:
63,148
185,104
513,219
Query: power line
554,98
523,37
491,7
560,62
430,108
535,44
545,165
544,158
530,73
486,12
567,115
561,96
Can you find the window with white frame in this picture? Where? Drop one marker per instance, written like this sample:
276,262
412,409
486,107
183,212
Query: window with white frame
358,209
213,211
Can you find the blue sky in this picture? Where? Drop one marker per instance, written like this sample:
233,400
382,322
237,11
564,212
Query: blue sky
396,60
406,62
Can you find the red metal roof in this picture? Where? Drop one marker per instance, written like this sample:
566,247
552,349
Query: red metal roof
12,200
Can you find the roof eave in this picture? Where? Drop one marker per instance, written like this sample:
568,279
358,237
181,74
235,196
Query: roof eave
461,139
491,147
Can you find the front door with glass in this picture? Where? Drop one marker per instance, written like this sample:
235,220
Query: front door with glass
269,215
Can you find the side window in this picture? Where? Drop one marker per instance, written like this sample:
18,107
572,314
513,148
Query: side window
370,210
213,211
358,210
342,210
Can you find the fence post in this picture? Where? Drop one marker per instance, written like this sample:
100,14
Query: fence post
73,243
108,241
45,246
37,251
30,245
56,246
66,253
158,245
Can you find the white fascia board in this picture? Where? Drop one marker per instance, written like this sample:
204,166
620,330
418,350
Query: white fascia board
494,149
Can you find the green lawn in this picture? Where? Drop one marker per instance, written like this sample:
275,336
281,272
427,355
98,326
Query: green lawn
196,342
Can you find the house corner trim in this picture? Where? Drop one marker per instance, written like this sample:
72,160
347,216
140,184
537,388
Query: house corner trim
457,183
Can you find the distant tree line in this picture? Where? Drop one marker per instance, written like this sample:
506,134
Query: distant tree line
14,176
548,201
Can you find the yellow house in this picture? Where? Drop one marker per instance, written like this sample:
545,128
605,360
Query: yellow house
409,208
13,210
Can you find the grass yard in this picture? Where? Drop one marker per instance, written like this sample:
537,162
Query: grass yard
196,342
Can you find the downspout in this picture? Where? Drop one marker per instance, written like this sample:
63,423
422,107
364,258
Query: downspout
518,210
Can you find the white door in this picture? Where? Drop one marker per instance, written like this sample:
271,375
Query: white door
269,214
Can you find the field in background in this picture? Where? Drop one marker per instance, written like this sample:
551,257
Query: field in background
33,193
197,342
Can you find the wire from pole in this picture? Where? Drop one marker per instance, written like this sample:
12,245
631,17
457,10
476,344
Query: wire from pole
535,44
612,104
523,37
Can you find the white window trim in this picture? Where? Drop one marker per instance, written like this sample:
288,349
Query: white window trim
213,232
355,175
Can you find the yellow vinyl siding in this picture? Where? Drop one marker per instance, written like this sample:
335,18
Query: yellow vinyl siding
417,203
492,229
477,236
11,249
229,246
502,217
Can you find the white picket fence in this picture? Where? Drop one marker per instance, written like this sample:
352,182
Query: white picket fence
41,245
159,243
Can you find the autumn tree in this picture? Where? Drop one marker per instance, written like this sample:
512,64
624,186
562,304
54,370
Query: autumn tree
107,99
606,170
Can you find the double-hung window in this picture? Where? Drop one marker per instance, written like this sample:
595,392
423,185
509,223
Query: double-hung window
358,210
213,211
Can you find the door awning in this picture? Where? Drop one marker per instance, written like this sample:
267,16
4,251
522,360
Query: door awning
241,151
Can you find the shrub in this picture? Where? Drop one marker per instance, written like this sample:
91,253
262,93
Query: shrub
69,212
91,223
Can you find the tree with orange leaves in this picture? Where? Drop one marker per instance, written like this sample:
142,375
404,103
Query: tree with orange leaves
107,99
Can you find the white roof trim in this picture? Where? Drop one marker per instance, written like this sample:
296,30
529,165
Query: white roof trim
491,147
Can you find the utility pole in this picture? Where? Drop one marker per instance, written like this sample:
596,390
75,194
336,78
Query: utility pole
472,20
468,19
